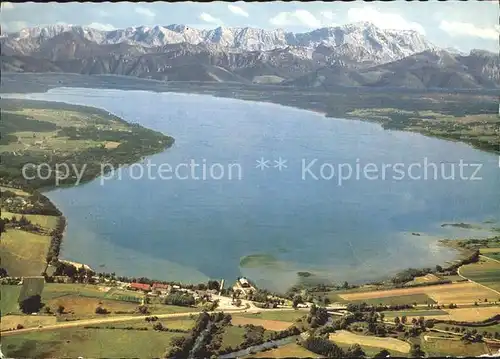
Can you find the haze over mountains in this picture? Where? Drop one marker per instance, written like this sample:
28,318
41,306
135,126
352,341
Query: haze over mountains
357,54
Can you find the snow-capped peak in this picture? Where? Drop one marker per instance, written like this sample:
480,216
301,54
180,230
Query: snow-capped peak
376,44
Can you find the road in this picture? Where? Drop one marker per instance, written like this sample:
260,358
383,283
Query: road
119,319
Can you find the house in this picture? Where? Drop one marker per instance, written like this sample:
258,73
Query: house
244,282
162,288
140,286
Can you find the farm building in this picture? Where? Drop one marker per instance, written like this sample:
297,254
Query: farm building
162,288
140,286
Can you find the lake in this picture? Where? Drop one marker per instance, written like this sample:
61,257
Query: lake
265,223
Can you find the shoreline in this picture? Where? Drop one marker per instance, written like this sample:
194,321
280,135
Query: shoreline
48,189
245,93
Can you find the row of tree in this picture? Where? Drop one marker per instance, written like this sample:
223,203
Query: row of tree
56,237
180,347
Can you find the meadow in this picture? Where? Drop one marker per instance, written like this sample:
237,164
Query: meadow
23,253
434,345
485,272
291,350
90,343
443,294
345,337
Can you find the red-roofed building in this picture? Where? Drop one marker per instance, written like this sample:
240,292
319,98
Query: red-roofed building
140,286
161,287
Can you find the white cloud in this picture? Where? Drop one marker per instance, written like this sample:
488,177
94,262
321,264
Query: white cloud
144,11
237,10
297,17
329,15
6,6
455,28
210,19
102,27
383,20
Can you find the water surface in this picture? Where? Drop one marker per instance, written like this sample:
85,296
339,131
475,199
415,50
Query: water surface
191,230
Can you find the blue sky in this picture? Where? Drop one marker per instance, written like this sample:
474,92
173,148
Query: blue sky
462,25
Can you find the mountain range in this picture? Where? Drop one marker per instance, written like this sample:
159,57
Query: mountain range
358,54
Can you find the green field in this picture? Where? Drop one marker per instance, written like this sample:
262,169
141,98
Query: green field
23,253
56,290
413,313
76,135
282,315
493,253
83,298
397,300
233,336
486,272
489,329
184,323
89,343
36,129
444,347
9,297
371,351
291,350
48,222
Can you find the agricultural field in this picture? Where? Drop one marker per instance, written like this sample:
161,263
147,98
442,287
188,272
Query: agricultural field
90,343
183,323
492,253
489,329
472,314
233,336
433,345
178,323
419,298
75,135
291,350
23,253
47,222
469,314
80,300
345,337
454,278
372,351
443,294
36,129
485,272
77,307
415,313
9,297
27,321
276,325
280,315
56,290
